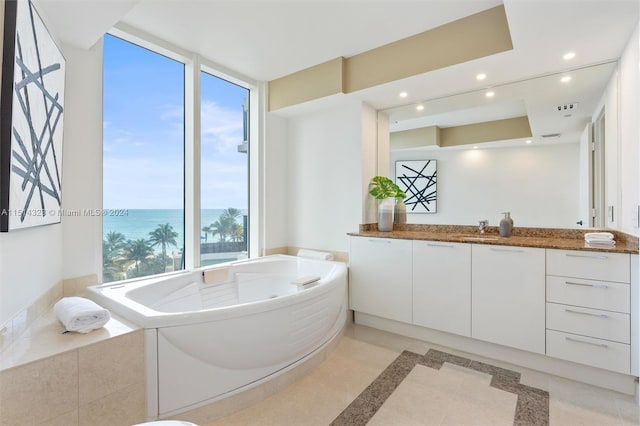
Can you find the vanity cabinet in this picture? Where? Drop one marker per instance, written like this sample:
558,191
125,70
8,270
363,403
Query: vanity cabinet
588,308
380,277
508,296
442,286
568,304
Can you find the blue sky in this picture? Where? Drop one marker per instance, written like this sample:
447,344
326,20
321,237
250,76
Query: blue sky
143,133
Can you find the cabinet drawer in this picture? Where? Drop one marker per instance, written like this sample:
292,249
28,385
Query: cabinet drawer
590,265
585,350
589,322
589,293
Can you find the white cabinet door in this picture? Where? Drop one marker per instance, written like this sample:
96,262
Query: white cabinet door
380,277
508,296
442,286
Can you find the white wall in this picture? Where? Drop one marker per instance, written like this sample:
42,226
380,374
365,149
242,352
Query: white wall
621,101
611,151
630,135
325,177
82,176
30,259
275,183
537,184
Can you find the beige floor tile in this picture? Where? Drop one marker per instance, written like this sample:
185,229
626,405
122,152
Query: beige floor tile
565,413
452,395
418,399
464,413
628,410
319,397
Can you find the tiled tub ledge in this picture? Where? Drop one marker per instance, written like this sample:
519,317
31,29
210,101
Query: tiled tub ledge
51,378
552,238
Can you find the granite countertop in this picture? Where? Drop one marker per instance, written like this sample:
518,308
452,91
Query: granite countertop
552,238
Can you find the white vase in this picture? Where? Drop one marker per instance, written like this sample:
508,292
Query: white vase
400,212
370,207
385,214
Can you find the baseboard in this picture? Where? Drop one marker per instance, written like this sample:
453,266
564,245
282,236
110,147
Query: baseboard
570,370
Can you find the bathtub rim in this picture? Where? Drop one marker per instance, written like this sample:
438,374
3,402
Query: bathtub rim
149,318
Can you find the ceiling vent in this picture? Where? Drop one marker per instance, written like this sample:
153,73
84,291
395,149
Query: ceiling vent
550,135
567,108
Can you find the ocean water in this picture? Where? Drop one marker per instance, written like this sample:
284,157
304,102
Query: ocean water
138,223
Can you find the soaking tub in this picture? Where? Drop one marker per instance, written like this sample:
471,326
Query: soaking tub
213,332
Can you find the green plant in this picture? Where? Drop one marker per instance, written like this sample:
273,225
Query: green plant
382,187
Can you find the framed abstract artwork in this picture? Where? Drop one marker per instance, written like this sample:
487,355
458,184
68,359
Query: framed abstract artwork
31,122
417,178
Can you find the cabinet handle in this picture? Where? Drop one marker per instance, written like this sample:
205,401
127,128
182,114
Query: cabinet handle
586,313
587,285
441,245
587,256
571,339
507,250
379,241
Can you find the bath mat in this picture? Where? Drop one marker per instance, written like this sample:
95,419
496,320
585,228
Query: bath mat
532,406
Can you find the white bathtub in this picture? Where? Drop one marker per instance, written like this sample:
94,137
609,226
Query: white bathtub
208,341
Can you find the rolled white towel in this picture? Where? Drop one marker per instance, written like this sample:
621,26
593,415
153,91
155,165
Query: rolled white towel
80,314
313,254
598,236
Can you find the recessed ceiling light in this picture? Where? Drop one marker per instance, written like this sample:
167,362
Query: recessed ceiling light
490,94
403,94
481,76
568,56
475,147
528,141
420,107
566,79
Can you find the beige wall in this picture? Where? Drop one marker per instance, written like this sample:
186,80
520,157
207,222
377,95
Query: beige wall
475,36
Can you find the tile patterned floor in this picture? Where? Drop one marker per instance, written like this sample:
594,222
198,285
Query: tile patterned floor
474,394
442,388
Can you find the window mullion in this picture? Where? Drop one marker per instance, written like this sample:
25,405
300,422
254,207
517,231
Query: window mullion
192,163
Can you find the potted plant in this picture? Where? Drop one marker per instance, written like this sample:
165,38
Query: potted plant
386,192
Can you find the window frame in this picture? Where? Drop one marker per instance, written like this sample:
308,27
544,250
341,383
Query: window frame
194,64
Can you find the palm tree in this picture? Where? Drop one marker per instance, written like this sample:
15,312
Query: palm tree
226,224
112,248
220,228
163,235
231,213
237,232
207,230
138,251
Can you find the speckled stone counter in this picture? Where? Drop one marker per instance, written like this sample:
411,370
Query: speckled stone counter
552,238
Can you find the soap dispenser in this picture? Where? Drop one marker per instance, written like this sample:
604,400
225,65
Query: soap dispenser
506,224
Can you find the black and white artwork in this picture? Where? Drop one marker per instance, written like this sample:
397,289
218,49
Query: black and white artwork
32,99
417,178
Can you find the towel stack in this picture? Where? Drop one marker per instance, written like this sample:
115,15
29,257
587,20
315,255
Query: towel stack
80,314
600,239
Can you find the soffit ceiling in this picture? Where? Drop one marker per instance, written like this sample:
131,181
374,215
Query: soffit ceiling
267,39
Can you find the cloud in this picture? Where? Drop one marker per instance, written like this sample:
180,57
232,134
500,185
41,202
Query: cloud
221,126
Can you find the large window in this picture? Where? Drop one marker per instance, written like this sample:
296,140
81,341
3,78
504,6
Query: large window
143,161
224,172
145,222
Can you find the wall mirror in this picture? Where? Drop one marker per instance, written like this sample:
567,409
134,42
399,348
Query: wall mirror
520,147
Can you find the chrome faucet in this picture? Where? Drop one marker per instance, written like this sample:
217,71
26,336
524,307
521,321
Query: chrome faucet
482,225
